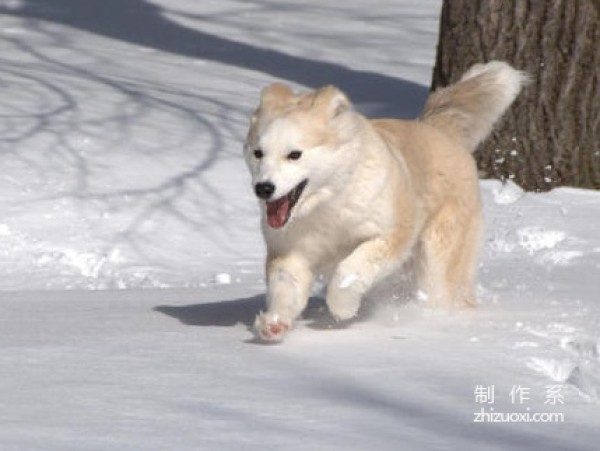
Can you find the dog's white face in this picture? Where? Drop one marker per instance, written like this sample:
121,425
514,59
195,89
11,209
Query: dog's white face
293,150
280,164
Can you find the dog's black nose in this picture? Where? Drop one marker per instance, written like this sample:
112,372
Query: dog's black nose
264,190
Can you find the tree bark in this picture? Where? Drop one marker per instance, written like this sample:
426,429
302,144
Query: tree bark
551,135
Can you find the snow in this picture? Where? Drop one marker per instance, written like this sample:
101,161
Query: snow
132,264
223,278
347,281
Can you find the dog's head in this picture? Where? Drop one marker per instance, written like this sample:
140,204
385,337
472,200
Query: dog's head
295,150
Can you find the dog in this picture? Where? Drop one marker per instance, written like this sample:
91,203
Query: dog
351,199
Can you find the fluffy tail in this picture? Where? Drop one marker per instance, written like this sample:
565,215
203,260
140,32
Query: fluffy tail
468,109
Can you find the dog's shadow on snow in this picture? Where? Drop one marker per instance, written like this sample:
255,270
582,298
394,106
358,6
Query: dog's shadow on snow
244,310
221,313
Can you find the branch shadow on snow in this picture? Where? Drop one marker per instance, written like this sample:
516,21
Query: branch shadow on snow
49,128
143,23
70,122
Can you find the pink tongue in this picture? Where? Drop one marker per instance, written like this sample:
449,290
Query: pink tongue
277,212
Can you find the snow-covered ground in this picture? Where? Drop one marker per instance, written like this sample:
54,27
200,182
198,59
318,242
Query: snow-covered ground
131,261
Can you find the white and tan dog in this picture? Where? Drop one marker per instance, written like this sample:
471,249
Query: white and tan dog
351,198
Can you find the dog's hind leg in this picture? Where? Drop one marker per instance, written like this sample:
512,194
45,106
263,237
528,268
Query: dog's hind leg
367,264
448,260
289,281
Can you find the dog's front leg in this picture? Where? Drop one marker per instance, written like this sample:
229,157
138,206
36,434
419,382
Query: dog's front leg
367,264
289,281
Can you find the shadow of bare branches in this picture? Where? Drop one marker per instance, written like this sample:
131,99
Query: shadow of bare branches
88,135
147,24
75,145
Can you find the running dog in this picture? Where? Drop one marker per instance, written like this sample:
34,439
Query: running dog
351,198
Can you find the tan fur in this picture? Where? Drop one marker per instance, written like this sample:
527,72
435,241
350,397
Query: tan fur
467,110
378,191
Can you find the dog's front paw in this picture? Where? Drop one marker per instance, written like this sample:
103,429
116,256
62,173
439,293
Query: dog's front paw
343,305
344,312
270,326
344,295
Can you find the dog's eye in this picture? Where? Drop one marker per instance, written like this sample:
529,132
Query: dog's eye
294,155
258,154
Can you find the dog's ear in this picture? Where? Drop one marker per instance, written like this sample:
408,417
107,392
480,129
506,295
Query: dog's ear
275,96
332,101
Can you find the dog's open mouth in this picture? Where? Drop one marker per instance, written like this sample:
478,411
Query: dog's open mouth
279,211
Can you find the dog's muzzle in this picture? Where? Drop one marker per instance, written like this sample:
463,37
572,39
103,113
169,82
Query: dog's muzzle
280,210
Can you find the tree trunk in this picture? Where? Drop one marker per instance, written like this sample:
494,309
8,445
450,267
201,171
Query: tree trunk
551,135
